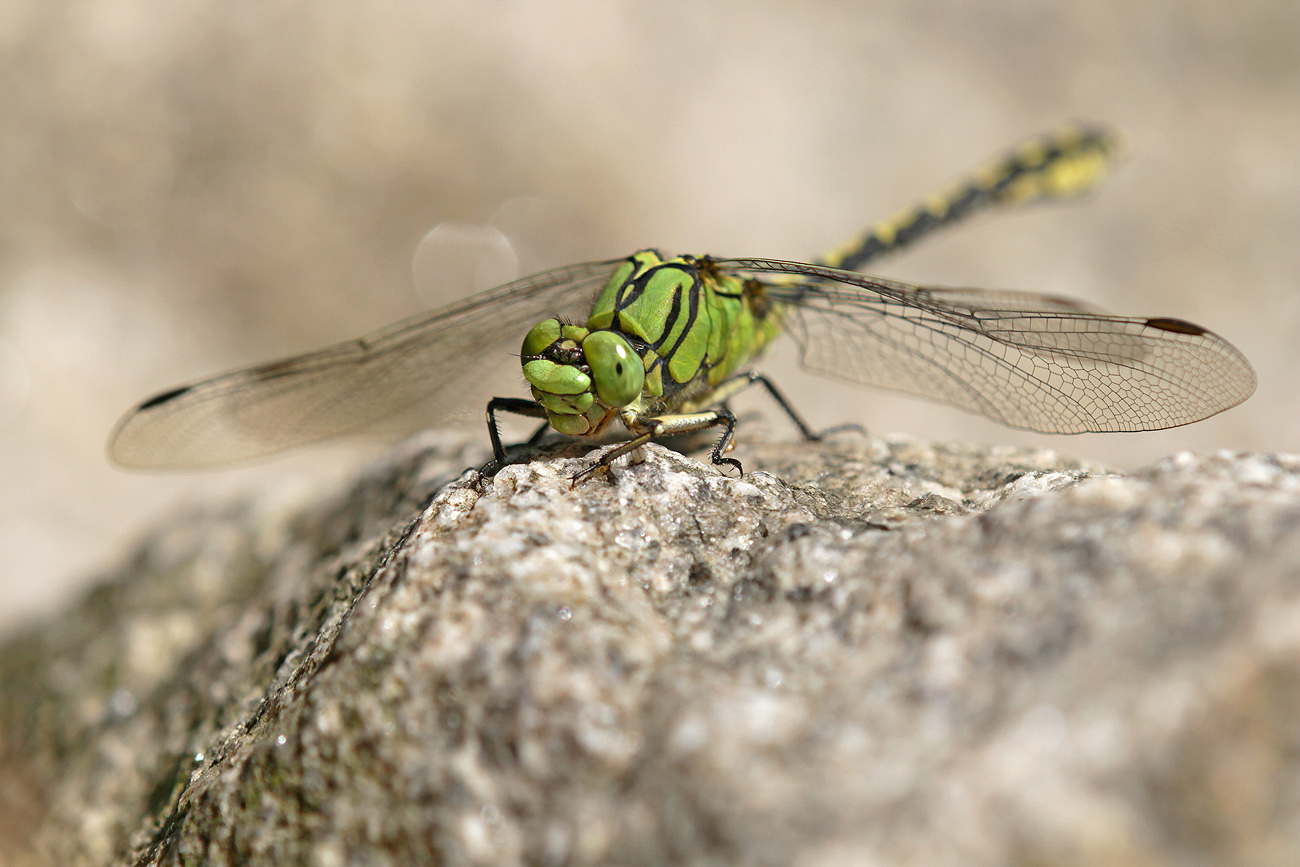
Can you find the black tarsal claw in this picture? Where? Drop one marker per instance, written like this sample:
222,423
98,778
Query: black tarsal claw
732,461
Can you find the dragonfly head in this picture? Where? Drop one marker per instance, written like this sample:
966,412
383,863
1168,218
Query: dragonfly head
581,377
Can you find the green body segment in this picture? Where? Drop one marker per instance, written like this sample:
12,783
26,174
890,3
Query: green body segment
696,327
690,328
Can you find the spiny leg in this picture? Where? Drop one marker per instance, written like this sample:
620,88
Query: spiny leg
537,435
723,445
738,383
670,425
517,406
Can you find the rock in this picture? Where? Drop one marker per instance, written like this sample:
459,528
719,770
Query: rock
862,652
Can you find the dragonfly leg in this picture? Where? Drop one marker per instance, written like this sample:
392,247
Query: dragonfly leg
538,434
670,425
518,406
728,418
741,381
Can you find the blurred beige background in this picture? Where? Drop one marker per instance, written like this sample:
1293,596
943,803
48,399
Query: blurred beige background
187,187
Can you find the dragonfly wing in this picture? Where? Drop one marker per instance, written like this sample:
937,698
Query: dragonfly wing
1034,362
999,299
421,369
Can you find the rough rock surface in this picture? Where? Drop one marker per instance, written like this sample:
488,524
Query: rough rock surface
862,652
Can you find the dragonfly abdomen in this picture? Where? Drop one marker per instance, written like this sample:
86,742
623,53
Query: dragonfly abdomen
1068,162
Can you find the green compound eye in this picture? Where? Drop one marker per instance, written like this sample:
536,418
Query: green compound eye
615,368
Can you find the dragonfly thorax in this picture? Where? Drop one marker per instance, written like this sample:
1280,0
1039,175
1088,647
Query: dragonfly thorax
581,377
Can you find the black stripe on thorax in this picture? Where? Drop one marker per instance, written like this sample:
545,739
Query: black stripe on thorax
693,312
630,291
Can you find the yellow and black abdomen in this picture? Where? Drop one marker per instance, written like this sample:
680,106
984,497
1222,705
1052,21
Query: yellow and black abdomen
1068,162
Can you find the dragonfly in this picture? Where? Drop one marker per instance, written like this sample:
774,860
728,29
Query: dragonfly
661,344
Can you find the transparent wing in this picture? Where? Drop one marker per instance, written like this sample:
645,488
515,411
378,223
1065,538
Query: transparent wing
422,370
1035,362
999,299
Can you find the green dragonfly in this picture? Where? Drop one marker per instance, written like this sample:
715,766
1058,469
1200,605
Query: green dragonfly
662,343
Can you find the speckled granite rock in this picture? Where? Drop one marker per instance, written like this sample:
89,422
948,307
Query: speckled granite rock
862,652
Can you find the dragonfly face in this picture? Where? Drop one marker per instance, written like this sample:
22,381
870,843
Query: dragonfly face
582,378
